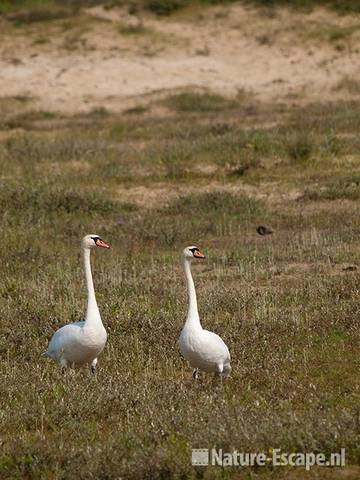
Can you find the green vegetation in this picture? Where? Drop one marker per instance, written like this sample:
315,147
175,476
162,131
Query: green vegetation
138,29
339,36
165,7
150,185
342,187
343,6
31,11
38,15
28,119
193,168
199,102
137,110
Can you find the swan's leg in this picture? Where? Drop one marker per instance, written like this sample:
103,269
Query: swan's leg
63,365
219,372
195,374
93,366
227,371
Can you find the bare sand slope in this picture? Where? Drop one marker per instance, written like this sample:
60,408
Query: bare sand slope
115,57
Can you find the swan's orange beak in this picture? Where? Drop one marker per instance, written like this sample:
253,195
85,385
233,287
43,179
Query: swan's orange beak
101,243
198,254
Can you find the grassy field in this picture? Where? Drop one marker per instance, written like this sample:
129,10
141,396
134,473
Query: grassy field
206,172
30,11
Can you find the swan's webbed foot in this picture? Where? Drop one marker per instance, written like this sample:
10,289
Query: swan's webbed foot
93,366
195,374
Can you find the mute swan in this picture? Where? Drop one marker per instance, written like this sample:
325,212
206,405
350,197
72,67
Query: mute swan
80,343
204,350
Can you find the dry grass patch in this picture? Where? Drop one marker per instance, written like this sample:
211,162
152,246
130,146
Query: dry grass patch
282,302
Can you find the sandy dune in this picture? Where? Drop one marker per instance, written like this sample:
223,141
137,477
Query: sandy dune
286,56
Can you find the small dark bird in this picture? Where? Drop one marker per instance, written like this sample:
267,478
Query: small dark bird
261,230
350,268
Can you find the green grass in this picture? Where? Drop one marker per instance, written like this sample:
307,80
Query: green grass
138,29
38,15
151,185
165,7
137,110
299,146
216,213
34,11
198,102
339,36
342,6
342,187
26,120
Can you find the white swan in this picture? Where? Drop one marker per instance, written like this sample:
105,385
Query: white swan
80,343
204,350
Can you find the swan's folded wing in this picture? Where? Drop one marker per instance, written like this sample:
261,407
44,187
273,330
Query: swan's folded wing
63,339
214,346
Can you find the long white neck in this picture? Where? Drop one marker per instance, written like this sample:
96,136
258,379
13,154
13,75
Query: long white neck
192,319
92,316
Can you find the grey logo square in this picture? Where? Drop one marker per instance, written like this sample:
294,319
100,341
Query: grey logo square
200,456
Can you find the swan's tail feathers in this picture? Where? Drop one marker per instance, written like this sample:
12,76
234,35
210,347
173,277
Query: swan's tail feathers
45,354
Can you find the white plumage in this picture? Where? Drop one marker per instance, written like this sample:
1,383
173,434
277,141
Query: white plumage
204,350
80,343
